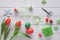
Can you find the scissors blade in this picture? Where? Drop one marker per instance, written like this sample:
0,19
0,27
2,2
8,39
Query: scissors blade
45,10
7,12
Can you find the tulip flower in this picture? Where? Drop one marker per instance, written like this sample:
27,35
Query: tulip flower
17,26
7,29
4,28
8,20
16,31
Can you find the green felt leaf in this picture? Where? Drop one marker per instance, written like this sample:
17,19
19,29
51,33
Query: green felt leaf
58,21
56,28
43,0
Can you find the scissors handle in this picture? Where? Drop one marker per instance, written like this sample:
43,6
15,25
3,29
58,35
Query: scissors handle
49,14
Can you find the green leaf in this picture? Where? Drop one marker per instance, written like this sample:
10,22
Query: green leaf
3,26
20,34
23,35
6,32
15,32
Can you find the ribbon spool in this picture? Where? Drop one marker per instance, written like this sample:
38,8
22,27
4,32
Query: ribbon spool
29,9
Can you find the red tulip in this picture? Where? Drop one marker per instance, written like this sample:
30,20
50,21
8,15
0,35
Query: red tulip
7,21
18,24
29,31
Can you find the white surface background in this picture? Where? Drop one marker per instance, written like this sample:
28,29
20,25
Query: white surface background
52,5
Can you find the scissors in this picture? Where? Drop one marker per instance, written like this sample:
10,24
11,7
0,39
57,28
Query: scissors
49,14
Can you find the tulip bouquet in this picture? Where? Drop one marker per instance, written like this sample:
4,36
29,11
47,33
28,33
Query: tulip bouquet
4,27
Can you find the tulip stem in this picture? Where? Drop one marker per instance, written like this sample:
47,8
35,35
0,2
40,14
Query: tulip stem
12,37
0,37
